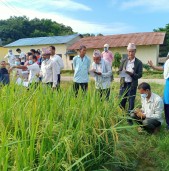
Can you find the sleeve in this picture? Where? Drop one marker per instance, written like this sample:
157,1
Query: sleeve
74,63
31,67
140,71
55,72
60,62
6,56
108,69
158,109
89,62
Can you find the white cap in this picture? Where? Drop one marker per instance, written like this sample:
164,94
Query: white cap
96,53
106,45
131,46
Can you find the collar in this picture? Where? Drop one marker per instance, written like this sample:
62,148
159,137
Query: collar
151,99
132,60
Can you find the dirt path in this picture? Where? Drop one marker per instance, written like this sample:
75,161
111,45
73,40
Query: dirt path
158,81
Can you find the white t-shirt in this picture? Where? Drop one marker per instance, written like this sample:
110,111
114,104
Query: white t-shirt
22,56
58,60
34,70
11,58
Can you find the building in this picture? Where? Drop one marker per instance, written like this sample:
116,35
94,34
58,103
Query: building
147,44
3,51
61,44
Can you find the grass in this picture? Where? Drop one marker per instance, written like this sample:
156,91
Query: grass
150,74
45,130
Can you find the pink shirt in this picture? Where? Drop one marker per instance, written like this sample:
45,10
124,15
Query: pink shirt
108,56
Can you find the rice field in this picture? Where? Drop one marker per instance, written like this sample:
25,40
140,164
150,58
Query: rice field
52,130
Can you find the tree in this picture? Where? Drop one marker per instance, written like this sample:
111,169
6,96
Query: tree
16,28
165,47
117,59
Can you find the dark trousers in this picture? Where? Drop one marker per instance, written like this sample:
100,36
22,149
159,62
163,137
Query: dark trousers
104,93
128,93
76,86
149,124
58,82
166,111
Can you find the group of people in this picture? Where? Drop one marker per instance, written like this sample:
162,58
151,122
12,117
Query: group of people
46,66
33,67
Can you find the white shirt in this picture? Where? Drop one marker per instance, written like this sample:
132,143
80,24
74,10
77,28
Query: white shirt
58,60
102,81
22,56
153,107
34,70
49,72
129,67
11,58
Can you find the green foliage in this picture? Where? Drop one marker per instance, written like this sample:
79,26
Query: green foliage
165,47
117,59
16,28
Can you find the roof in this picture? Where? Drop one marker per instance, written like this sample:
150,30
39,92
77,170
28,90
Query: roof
121,40
43,40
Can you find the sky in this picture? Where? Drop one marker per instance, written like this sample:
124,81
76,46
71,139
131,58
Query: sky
94,16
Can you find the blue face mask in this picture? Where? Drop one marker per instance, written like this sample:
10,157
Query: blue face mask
17,63
30,62
105,49
144,95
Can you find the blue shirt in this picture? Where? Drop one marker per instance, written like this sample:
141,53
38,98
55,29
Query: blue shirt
81,68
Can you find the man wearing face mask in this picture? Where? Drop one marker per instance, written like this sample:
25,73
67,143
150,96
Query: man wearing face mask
107,55
150,115
11,58
33,68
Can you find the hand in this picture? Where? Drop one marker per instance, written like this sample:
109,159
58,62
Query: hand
98,73
140,114
10,69
150,63
129,73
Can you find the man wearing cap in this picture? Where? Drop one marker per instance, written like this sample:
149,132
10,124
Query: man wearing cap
22,56
49,69
102,73
130,71
107,55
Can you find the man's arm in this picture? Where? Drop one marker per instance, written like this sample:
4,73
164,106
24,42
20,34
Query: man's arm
109,70
55,72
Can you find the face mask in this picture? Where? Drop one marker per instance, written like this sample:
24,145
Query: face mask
30,62
144,95
17,63
105,49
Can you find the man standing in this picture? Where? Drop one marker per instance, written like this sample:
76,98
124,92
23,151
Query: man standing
22,56
11,58
49,69
81,65
150,115
107,55
33,69
130,71
4,74
102,73
58,60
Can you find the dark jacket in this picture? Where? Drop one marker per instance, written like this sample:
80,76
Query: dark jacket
138,69
4,76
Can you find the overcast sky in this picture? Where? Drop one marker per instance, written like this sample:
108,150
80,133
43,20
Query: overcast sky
94,16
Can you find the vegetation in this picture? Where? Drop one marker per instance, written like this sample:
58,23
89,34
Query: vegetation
43,130
117,60
16,28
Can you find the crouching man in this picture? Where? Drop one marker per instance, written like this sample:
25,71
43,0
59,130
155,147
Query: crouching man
150,115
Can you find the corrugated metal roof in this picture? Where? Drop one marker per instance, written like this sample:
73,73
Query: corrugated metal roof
43,40
121,40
